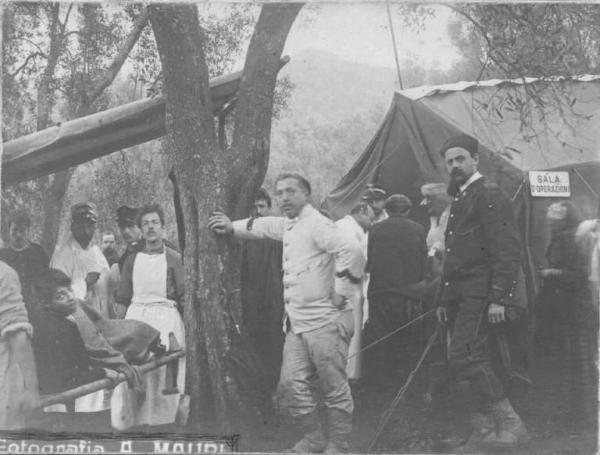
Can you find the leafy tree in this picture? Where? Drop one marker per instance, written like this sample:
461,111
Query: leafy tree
72,50
522,40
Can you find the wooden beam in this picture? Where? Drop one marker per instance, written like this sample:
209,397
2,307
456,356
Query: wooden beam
69,395
78,141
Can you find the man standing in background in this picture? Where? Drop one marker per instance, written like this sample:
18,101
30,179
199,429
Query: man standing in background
28,259
356,225
396,259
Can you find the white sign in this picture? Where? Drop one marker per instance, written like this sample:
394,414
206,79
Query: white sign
549,184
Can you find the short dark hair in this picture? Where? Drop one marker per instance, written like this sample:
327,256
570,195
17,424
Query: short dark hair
20,218
361,208
49,281
305,184
150,208
263,195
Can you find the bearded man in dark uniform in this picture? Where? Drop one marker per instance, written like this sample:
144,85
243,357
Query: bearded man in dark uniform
480,289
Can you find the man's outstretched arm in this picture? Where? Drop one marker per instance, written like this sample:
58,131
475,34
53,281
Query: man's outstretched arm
271,227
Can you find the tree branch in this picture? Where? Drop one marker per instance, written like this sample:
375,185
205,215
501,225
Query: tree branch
26,62
63,25
37,46
113,69
254,111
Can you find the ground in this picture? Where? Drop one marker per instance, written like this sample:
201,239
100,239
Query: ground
414,428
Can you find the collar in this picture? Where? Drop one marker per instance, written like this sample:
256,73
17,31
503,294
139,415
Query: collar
476,176
306,211
157,250
381,217
75,244
27,245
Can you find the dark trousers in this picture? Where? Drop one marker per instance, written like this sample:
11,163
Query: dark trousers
468,354
386,313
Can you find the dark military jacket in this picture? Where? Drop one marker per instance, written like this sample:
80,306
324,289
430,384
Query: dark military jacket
483,249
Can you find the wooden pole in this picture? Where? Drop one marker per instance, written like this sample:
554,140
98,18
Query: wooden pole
100,384
389,14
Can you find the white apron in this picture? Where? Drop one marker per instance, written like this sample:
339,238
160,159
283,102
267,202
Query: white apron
150,305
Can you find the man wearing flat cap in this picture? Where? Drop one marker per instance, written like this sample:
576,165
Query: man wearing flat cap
480,289
396,255
375,196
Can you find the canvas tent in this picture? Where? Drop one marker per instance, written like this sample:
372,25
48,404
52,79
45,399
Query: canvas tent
515,136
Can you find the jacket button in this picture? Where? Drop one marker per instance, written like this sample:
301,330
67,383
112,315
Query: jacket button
450,233
446,283
510,295
447,250
452,215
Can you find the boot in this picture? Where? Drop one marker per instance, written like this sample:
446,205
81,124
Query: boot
483,425
510,429
314,440
339,424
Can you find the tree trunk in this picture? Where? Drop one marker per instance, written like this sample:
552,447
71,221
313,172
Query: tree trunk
209,180
55,187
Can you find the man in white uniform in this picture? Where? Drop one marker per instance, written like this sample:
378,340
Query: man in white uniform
356,225
318,316
88,270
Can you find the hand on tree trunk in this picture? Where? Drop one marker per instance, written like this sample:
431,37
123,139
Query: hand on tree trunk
220,223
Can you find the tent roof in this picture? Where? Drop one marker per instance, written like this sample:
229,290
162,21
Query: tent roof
78,141
403,154
503,117
416,93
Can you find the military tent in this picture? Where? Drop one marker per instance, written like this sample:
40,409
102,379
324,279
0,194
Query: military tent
521,125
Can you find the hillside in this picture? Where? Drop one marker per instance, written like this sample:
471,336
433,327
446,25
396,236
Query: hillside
330,89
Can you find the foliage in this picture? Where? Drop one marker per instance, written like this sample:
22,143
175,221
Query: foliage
321,151
225,38
522,40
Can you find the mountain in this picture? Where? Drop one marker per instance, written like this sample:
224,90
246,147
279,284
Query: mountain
330,89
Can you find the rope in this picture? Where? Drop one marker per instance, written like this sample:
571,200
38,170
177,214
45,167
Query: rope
370,345
589,187
388,413
518,190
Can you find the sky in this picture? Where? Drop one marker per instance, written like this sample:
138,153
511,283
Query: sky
360,32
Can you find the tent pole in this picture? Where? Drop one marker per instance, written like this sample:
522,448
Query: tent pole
389,14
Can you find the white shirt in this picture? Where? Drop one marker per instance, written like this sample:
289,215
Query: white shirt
381,217
437,232
76,262
349,227
314,249
476,176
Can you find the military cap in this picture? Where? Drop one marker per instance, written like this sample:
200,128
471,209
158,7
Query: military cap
464,141
374,192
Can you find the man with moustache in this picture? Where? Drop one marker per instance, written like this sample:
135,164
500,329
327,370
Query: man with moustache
480,289
319,264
